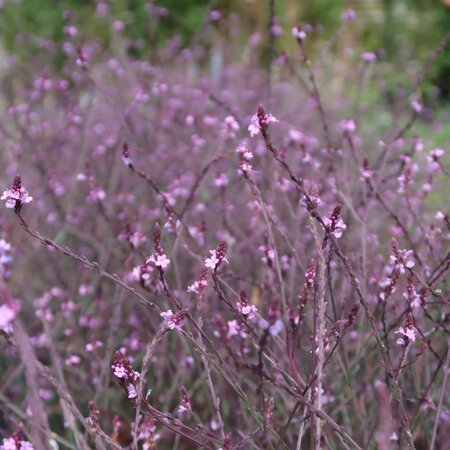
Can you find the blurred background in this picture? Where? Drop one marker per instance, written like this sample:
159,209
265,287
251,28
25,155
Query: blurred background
399,31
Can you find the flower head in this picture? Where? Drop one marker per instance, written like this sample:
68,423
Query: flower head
173,321
17,196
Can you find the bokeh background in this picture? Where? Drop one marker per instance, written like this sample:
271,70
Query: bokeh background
402,30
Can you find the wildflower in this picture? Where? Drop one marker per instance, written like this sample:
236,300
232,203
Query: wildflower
173,321
17,196
408,334
185,405
299,34
347,126
159,260
217,257
416,106
402,257
335,224
247,310
198,286
7,315
221,180
369,57
349,15
123,370
126,155
16,442
260,121
273,329
231,124
366,172
433,158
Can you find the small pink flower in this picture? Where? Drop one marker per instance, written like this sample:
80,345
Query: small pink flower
298,34
159,260
17,196
173,321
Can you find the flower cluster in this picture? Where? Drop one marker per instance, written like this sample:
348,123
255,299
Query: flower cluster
245,157
217,257
335,224
173,321
245,308
16,442
407,332
159,258
123,370
260,122
17,196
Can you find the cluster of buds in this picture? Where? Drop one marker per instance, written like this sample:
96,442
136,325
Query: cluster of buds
390,284
148,434
310,276
94,415
335,225
17,196
407,333
159,258
244,307
197,287
126,156
260,122
268,251
433,158
16,442
411,295
81,59
245,157
217,257
173,321
123,370
401,257
366,171
185,405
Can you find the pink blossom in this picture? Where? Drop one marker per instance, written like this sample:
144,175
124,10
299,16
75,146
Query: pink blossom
17,196
407,333
172,321
159,260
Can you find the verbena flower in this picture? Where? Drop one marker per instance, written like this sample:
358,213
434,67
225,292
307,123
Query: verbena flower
173,321
17,196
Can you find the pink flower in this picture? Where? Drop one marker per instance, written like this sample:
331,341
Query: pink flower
159,260
298,34
408,333
368,57
17,196
212,261
173,321
7,316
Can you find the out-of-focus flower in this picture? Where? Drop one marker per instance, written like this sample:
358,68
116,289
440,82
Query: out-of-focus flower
298,34
369,57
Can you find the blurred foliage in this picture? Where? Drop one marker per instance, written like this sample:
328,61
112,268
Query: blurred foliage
400,30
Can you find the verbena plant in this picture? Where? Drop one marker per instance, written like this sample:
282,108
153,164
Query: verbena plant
200,252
